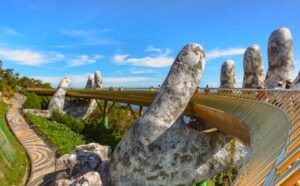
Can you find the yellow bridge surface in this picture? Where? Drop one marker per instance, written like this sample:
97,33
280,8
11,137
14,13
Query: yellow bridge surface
267,121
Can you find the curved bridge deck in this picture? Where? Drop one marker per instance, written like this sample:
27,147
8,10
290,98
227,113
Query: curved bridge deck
267,121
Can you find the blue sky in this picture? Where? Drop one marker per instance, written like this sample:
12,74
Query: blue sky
134,42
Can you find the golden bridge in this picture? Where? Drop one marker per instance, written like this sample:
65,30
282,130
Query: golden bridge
267,121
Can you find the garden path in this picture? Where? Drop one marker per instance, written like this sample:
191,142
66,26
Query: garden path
42,158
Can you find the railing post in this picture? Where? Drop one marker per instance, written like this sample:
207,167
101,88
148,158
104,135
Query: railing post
140,111
105,117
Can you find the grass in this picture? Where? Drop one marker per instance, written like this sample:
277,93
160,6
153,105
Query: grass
59,136
13,159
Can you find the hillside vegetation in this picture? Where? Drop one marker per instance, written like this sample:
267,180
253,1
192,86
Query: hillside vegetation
13,159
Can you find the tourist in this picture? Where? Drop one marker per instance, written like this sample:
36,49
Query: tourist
151,89
206,89
288,84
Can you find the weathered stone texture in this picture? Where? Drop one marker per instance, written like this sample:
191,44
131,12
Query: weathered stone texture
227,77
159,149
58,100
90,84
81,109
88,165
98,79
280,57
253,68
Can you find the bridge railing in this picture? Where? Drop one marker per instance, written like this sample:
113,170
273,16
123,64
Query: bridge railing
287,168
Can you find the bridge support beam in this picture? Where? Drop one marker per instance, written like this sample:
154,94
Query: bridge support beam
132,112
141,110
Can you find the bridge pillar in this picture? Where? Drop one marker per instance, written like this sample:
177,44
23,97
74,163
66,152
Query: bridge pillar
105,122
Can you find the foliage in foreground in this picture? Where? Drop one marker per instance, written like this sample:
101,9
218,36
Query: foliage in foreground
96,132
60,136
73,123
226,178
9,165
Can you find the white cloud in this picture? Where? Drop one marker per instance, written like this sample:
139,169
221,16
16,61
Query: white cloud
216,53
157,60
161,58
10,31
83,60
80,80
120,57
29,57
151,48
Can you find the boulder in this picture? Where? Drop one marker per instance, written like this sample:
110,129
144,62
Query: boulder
82,165
89,179
280,58
58,100
63,182
253,68
104,152
227,77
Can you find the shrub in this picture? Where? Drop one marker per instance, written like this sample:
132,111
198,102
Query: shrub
6,90
120,119
33,101
75,124
60,136
96,132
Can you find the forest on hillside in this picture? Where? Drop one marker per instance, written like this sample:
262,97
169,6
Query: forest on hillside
11,81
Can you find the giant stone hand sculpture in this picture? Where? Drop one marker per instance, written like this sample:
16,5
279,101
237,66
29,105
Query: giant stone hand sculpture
227,77
159,149
280,57
253,68
57,102
81,109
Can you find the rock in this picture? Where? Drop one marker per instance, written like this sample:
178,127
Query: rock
98,80
103,170
159,149
280,57
253,68
42,113
89,179
85,159
104,152
90,84
63,182
58,100
296,82
228,74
